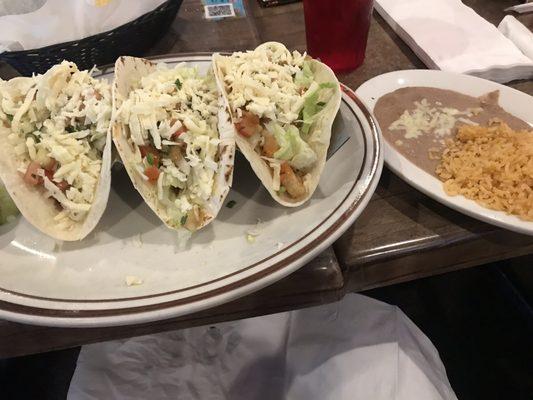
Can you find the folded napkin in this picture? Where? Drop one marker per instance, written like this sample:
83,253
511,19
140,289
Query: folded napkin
59,21
358,348
521,8
518,33
447,35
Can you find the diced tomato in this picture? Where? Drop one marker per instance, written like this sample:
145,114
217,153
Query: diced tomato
152,173
49,171
49,174
248,125
63,185
31,176
148,149
178,133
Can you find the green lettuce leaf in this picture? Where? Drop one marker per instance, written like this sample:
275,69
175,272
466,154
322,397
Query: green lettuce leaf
292,147
313,105
285,151
304,78
304,155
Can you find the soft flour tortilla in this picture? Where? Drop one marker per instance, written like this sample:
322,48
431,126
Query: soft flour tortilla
319,135
32,201
128,72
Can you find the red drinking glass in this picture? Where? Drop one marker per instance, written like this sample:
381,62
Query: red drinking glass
337,31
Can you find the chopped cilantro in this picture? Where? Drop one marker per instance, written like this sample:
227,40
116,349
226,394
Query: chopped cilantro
231,203
9,117
321,104
150,158
178,84
70,129
36,139
183,219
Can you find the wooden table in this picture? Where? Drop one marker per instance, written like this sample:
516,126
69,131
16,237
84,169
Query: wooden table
401,235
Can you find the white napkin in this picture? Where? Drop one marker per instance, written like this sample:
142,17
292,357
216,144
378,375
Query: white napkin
358,348
59,21
518,33
521,8
447,35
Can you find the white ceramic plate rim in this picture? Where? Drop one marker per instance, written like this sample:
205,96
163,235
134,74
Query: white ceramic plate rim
376,87
54,312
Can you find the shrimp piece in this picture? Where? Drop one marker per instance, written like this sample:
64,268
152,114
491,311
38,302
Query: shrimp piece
248,125
270,144
292,182
175,154
195,219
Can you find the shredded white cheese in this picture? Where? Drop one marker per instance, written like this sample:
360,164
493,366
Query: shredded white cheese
262,81
132,280
425,118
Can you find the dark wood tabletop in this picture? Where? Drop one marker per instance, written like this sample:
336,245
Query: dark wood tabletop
401,235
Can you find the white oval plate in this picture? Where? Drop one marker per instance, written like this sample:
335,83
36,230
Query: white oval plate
83,284
513,101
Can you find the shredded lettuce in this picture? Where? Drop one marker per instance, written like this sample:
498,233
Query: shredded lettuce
292,147
304,156
285,151
313,105
327,85
309,111
304,77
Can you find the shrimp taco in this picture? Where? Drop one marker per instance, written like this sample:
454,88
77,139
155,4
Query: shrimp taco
174,135
56,149
283,105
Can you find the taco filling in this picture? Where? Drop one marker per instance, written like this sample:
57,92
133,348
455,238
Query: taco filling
58,124
172,121
275,101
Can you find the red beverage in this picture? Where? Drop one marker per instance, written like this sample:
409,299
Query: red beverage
337,30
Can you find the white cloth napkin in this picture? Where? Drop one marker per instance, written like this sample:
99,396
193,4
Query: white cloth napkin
59,21
518,33
447,35
358,348
521,8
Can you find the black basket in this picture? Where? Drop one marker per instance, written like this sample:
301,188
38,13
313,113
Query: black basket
132,39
